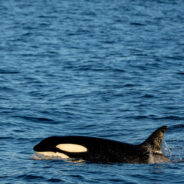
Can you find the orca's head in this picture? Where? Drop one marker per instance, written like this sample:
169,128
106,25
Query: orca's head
48,144
58,147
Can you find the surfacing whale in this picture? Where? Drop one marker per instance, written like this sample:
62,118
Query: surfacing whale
99,150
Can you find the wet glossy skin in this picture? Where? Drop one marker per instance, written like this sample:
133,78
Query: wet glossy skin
105,151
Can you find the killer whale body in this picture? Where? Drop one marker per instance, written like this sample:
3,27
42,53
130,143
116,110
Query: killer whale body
99,150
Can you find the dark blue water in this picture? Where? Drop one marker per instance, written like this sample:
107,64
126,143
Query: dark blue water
109,68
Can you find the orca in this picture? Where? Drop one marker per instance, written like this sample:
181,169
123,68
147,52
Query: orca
100,150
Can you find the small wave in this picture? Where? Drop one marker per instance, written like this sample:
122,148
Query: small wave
180,73
7,71
167,118
129,85
7,89
6,138
37,119
172,118
137,24
177,126
141,117
30,177
148,96
54,180
153,117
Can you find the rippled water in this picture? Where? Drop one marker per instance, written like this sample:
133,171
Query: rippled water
111,69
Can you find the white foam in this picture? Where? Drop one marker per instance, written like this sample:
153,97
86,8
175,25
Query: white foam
54,156
48,155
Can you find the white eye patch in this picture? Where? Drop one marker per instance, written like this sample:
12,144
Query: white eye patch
73,148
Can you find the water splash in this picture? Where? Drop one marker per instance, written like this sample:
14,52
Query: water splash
166,150
175,153
37,156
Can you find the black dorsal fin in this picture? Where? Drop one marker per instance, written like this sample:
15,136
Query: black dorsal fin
154,142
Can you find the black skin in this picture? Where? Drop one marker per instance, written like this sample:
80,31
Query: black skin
98,149
104,150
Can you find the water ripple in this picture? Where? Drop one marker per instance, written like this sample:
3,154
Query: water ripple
55,180
8,71
37,119
30,177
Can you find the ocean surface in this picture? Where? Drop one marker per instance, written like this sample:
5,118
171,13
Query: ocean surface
110,68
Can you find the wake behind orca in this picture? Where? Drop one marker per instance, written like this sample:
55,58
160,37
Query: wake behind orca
99,150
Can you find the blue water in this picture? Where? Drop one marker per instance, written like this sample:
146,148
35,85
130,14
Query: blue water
108,68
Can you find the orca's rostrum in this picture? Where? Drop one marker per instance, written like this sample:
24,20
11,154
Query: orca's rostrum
99,150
